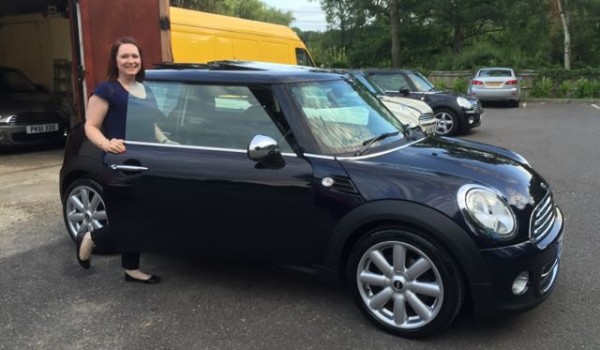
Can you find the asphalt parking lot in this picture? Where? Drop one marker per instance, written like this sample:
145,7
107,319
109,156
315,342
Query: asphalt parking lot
48,302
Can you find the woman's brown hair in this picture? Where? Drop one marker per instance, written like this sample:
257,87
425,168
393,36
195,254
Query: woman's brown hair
113,71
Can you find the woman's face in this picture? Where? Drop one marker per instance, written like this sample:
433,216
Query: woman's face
129,61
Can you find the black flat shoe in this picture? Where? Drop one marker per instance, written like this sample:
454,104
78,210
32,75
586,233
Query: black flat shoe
153,279
84,263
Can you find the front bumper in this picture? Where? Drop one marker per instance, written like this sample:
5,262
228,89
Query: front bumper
541,260
472,119
17,135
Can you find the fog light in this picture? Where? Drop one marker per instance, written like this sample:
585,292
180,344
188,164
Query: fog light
471,120
520,284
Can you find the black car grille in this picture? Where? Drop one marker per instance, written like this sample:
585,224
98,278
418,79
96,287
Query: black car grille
37,118
425,117
22,137
542,218
477,108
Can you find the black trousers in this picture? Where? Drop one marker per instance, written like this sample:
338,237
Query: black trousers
103,239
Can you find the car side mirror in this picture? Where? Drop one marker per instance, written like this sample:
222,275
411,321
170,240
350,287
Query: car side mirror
265,151
404,91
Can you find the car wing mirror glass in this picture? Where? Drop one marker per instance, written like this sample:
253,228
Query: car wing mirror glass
265,151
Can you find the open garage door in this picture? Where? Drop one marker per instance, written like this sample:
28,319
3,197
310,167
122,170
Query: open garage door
99,23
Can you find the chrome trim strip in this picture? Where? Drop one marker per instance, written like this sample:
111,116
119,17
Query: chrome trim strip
548,279
202,148
318,156
380,153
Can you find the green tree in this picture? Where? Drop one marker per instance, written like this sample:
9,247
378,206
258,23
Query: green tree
248,9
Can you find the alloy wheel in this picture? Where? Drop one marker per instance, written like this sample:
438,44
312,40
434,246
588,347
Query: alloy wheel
445,123
400,285
84,210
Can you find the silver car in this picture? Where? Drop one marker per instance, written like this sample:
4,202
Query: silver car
496,84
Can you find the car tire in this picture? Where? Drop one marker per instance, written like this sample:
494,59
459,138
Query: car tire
84,209
406,284
447,123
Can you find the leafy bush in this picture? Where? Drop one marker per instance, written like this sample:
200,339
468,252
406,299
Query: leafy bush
460,85
564,89
585,88
542,87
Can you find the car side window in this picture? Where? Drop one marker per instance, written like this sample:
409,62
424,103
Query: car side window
217,115
303,59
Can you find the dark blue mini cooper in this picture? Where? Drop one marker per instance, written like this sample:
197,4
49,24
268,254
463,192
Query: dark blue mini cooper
308,169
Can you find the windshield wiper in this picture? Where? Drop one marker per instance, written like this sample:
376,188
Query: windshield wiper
368,143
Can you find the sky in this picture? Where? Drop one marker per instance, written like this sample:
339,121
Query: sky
308,15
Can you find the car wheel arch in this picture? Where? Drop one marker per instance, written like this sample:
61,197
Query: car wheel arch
432,224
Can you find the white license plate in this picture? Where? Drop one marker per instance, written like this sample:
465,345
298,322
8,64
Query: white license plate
37,129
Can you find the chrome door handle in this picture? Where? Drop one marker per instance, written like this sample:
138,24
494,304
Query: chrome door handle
128,167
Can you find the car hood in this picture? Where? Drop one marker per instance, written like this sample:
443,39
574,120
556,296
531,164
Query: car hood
420,106
448,94
442,166
30,102
406,114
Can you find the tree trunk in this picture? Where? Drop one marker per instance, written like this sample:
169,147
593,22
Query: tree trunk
395,32
567,35
458,38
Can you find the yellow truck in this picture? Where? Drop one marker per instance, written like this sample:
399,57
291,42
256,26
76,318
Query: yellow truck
199,37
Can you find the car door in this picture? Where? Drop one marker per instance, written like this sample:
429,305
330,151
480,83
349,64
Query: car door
204,195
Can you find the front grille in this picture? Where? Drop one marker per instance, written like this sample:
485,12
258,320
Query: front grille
46,136
477,108
542,218
36,118
426,117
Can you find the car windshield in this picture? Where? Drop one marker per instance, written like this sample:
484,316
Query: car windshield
421,83
369,84
344,117
14,82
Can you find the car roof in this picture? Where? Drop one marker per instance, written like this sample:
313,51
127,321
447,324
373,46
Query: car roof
496,68
387,71
240,72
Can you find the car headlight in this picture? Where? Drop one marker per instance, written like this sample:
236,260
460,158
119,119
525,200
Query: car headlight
464,103
488,211
6,119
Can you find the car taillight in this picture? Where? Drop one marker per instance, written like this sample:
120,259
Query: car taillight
512,82
476,82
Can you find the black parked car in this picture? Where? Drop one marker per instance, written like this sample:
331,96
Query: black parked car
28,114
268,167
455,113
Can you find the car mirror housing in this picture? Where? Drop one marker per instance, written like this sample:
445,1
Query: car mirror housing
404,92
265,151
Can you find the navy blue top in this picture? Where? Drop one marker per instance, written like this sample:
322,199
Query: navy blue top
137,124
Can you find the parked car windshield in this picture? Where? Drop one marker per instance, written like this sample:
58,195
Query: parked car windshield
421,83
369,84
14,82
343,117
